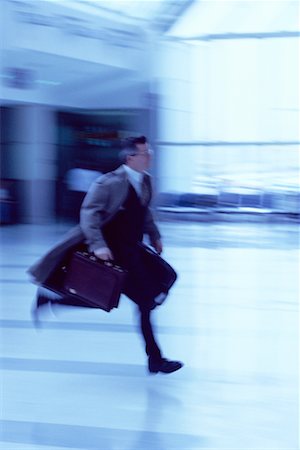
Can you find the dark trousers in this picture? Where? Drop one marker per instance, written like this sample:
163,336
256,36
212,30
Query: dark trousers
139,288
146,327
152,348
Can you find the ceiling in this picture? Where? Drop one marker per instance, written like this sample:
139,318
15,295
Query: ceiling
209,18
126,24
38,77
150,14
196,18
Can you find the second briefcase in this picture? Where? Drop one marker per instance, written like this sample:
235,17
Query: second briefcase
161,277
97,283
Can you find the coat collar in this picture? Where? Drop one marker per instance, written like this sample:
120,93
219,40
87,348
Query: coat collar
122,172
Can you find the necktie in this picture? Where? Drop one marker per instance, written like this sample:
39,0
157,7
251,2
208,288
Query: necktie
145,192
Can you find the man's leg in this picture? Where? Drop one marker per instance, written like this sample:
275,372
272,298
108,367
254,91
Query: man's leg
139,288
46,297
156,363
152,349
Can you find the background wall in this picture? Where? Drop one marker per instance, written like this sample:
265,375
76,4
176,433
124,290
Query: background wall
218,82
229,107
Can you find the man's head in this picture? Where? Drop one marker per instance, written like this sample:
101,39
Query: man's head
136,153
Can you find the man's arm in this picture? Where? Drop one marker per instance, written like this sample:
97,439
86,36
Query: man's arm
152,230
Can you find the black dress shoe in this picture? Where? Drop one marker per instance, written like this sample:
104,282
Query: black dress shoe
40,301
164,366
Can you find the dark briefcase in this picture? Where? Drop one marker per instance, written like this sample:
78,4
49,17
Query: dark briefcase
156,277
162,272
97,283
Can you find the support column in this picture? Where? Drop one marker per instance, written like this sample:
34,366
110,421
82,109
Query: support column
30,160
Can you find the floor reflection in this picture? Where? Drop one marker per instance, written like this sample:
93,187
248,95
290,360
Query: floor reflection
81,381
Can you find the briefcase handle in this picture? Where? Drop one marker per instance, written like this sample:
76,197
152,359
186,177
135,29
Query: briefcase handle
148,249
94,258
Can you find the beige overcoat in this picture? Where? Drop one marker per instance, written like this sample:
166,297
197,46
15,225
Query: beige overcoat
103,200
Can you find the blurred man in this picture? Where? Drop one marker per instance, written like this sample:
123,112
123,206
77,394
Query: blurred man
115,215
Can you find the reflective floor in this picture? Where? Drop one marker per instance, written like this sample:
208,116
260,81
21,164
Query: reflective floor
80,382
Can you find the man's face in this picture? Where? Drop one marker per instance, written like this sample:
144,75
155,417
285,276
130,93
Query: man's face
142,159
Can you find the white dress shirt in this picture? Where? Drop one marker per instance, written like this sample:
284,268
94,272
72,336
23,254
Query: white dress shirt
135,178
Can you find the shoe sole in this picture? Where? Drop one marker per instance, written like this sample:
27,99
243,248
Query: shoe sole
154,372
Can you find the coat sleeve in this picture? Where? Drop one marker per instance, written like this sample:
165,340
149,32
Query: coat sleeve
92,214
151,228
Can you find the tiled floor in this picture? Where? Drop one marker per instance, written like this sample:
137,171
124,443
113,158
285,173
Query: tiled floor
80,382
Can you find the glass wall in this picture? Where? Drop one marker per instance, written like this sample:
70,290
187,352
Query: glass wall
230,116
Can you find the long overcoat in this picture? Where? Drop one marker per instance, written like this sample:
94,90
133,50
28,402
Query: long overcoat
103,200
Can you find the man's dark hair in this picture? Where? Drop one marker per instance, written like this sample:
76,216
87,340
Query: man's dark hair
129,147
